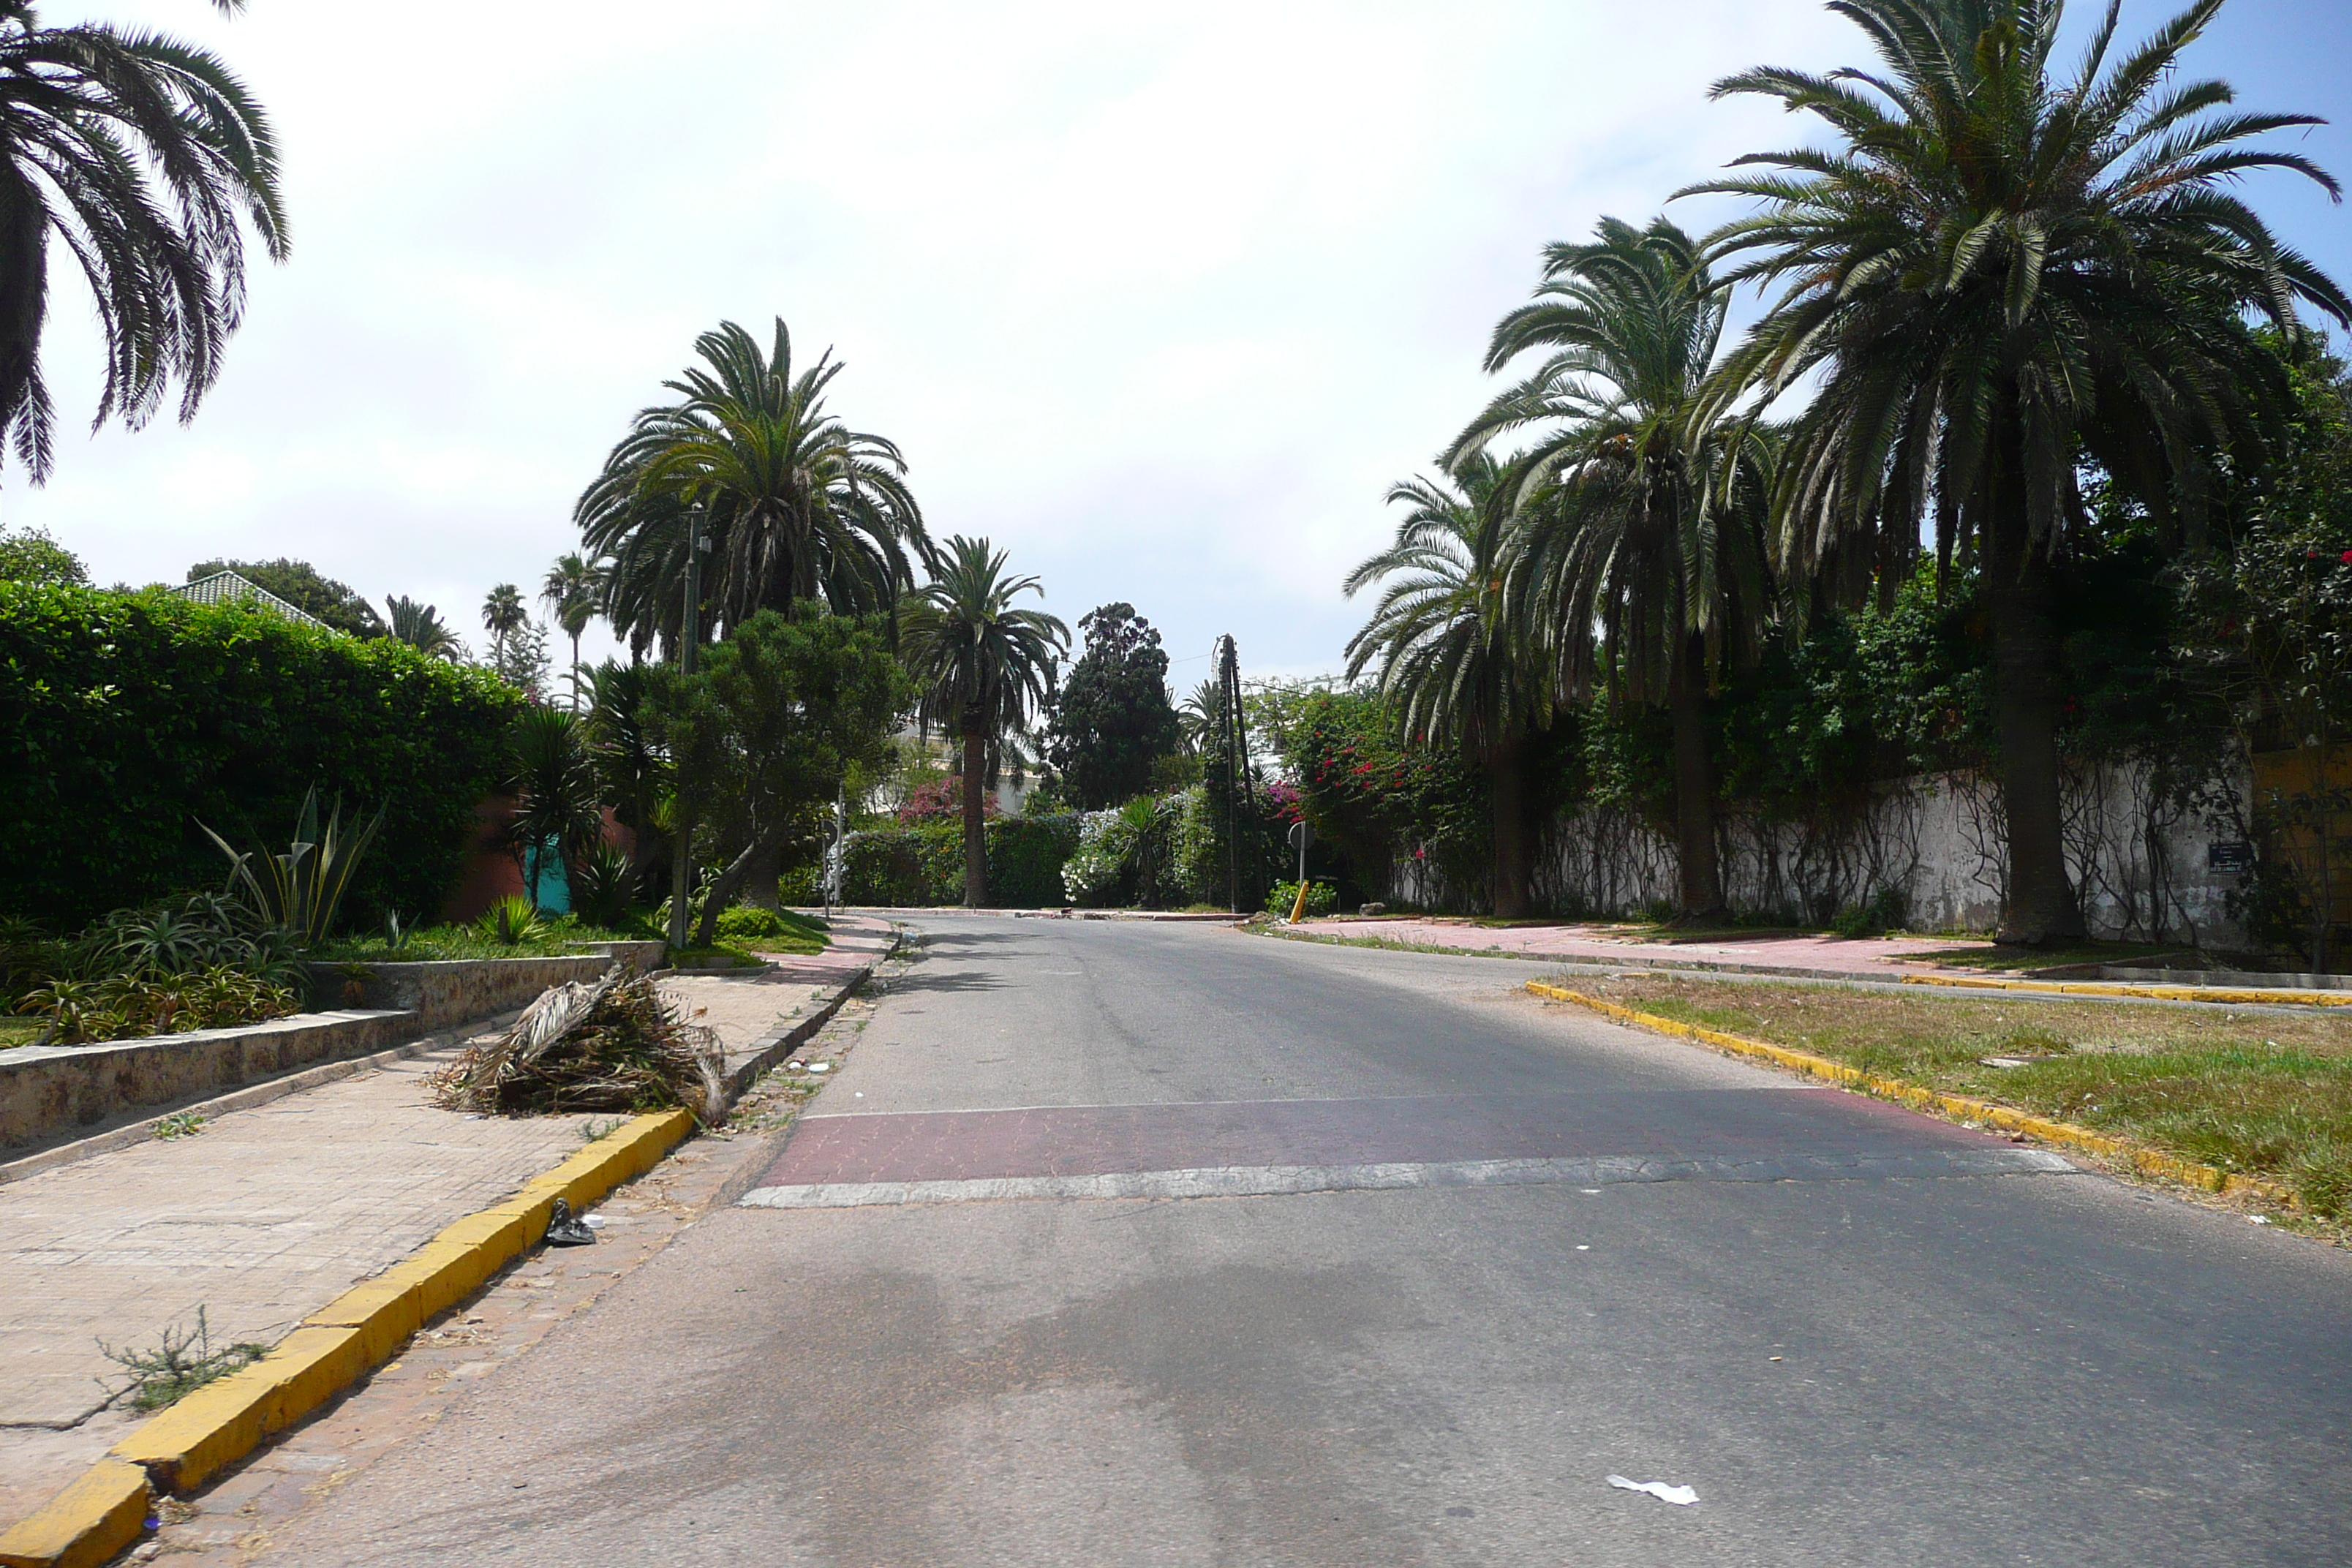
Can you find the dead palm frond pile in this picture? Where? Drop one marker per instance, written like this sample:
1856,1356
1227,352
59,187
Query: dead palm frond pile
613,1044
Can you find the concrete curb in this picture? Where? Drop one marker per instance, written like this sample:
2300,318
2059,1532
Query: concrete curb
107,1509
2254,996
1967,1107
782,1041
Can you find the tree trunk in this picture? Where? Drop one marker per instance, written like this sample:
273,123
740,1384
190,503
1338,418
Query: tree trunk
761,878
2040,909
975,822
1507,778
1701,893
723,888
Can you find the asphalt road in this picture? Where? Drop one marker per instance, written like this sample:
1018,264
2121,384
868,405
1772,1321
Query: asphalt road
1123,1243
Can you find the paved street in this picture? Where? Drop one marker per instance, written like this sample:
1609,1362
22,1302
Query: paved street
1130,1243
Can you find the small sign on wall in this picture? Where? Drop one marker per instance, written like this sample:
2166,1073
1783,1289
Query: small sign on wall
2228,854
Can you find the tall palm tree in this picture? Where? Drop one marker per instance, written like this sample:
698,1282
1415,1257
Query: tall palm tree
982,668
1200,714
1994,276
1638,559
422,628
138,155
1454,666
795,504
573,589
503,614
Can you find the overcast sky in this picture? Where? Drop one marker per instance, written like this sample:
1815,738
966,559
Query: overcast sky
1161,298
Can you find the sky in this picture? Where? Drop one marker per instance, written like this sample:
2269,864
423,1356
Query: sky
1159,298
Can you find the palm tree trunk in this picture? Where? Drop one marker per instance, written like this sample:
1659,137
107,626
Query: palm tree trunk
1507,783
1701,875
975,830
2040,909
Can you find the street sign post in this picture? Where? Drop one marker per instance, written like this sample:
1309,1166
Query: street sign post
1301,836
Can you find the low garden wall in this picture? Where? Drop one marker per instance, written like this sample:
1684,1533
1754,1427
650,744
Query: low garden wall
443,991
45,1088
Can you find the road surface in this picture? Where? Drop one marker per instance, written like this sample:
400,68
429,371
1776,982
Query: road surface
1130,1244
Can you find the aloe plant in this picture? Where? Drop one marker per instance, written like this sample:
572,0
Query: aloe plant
301,891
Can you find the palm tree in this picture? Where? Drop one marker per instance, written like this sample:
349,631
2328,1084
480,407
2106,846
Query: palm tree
1994,278
503,614
138,154
422,628
1639,552
982,668
1200,714
1454,664
795,504
573,589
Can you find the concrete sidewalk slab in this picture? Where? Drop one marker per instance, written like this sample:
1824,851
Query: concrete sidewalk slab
271,1212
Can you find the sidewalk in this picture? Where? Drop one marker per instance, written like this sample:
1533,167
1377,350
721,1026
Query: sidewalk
268,1214
1871,958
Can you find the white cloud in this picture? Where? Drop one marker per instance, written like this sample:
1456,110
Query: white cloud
1161,298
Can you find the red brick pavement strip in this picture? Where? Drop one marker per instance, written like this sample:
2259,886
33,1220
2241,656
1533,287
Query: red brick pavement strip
1084,1140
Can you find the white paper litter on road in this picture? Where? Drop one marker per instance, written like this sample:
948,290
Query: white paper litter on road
1682,1497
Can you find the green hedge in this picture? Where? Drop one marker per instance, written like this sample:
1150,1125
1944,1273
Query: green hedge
912,867
126,717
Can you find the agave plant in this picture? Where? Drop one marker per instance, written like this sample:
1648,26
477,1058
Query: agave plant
511,922
301,891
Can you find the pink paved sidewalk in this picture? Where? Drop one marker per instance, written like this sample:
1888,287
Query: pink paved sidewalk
1874,957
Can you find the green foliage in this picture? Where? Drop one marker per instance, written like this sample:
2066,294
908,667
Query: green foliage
513,921
920,867
795,504
772,931
302,586
184,1362
603,888
144,160
302,890
30,555
1370,796
127,717
1322,898
1112,721
553,780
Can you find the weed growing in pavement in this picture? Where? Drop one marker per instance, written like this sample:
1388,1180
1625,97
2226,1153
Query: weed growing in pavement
184,1362
179,1124
596,1129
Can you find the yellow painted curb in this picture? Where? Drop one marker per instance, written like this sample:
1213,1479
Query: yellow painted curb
84,1524
1967,1107
221,1421
2238,996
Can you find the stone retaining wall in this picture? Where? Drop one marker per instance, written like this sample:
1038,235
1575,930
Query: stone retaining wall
46,1088
449,991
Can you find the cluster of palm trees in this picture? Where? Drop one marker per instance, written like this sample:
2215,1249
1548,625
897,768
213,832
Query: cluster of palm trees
787,504
1995,278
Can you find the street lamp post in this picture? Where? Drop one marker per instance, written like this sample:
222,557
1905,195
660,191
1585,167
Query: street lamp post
681,871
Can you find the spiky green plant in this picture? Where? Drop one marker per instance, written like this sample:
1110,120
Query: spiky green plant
301,890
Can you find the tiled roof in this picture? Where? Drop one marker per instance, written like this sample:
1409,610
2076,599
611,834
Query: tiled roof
228,588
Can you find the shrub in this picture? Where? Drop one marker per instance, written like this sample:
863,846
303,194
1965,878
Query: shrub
129,716
512,921
913,866
1322,898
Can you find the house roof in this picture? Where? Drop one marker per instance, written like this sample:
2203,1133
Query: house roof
228,588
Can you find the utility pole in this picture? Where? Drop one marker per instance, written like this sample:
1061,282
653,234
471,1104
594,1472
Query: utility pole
1232,739
681,871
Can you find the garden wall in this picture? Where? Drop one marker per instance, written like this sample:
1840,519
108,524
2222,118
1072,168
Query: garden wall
46,1088
450,990
1933,846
